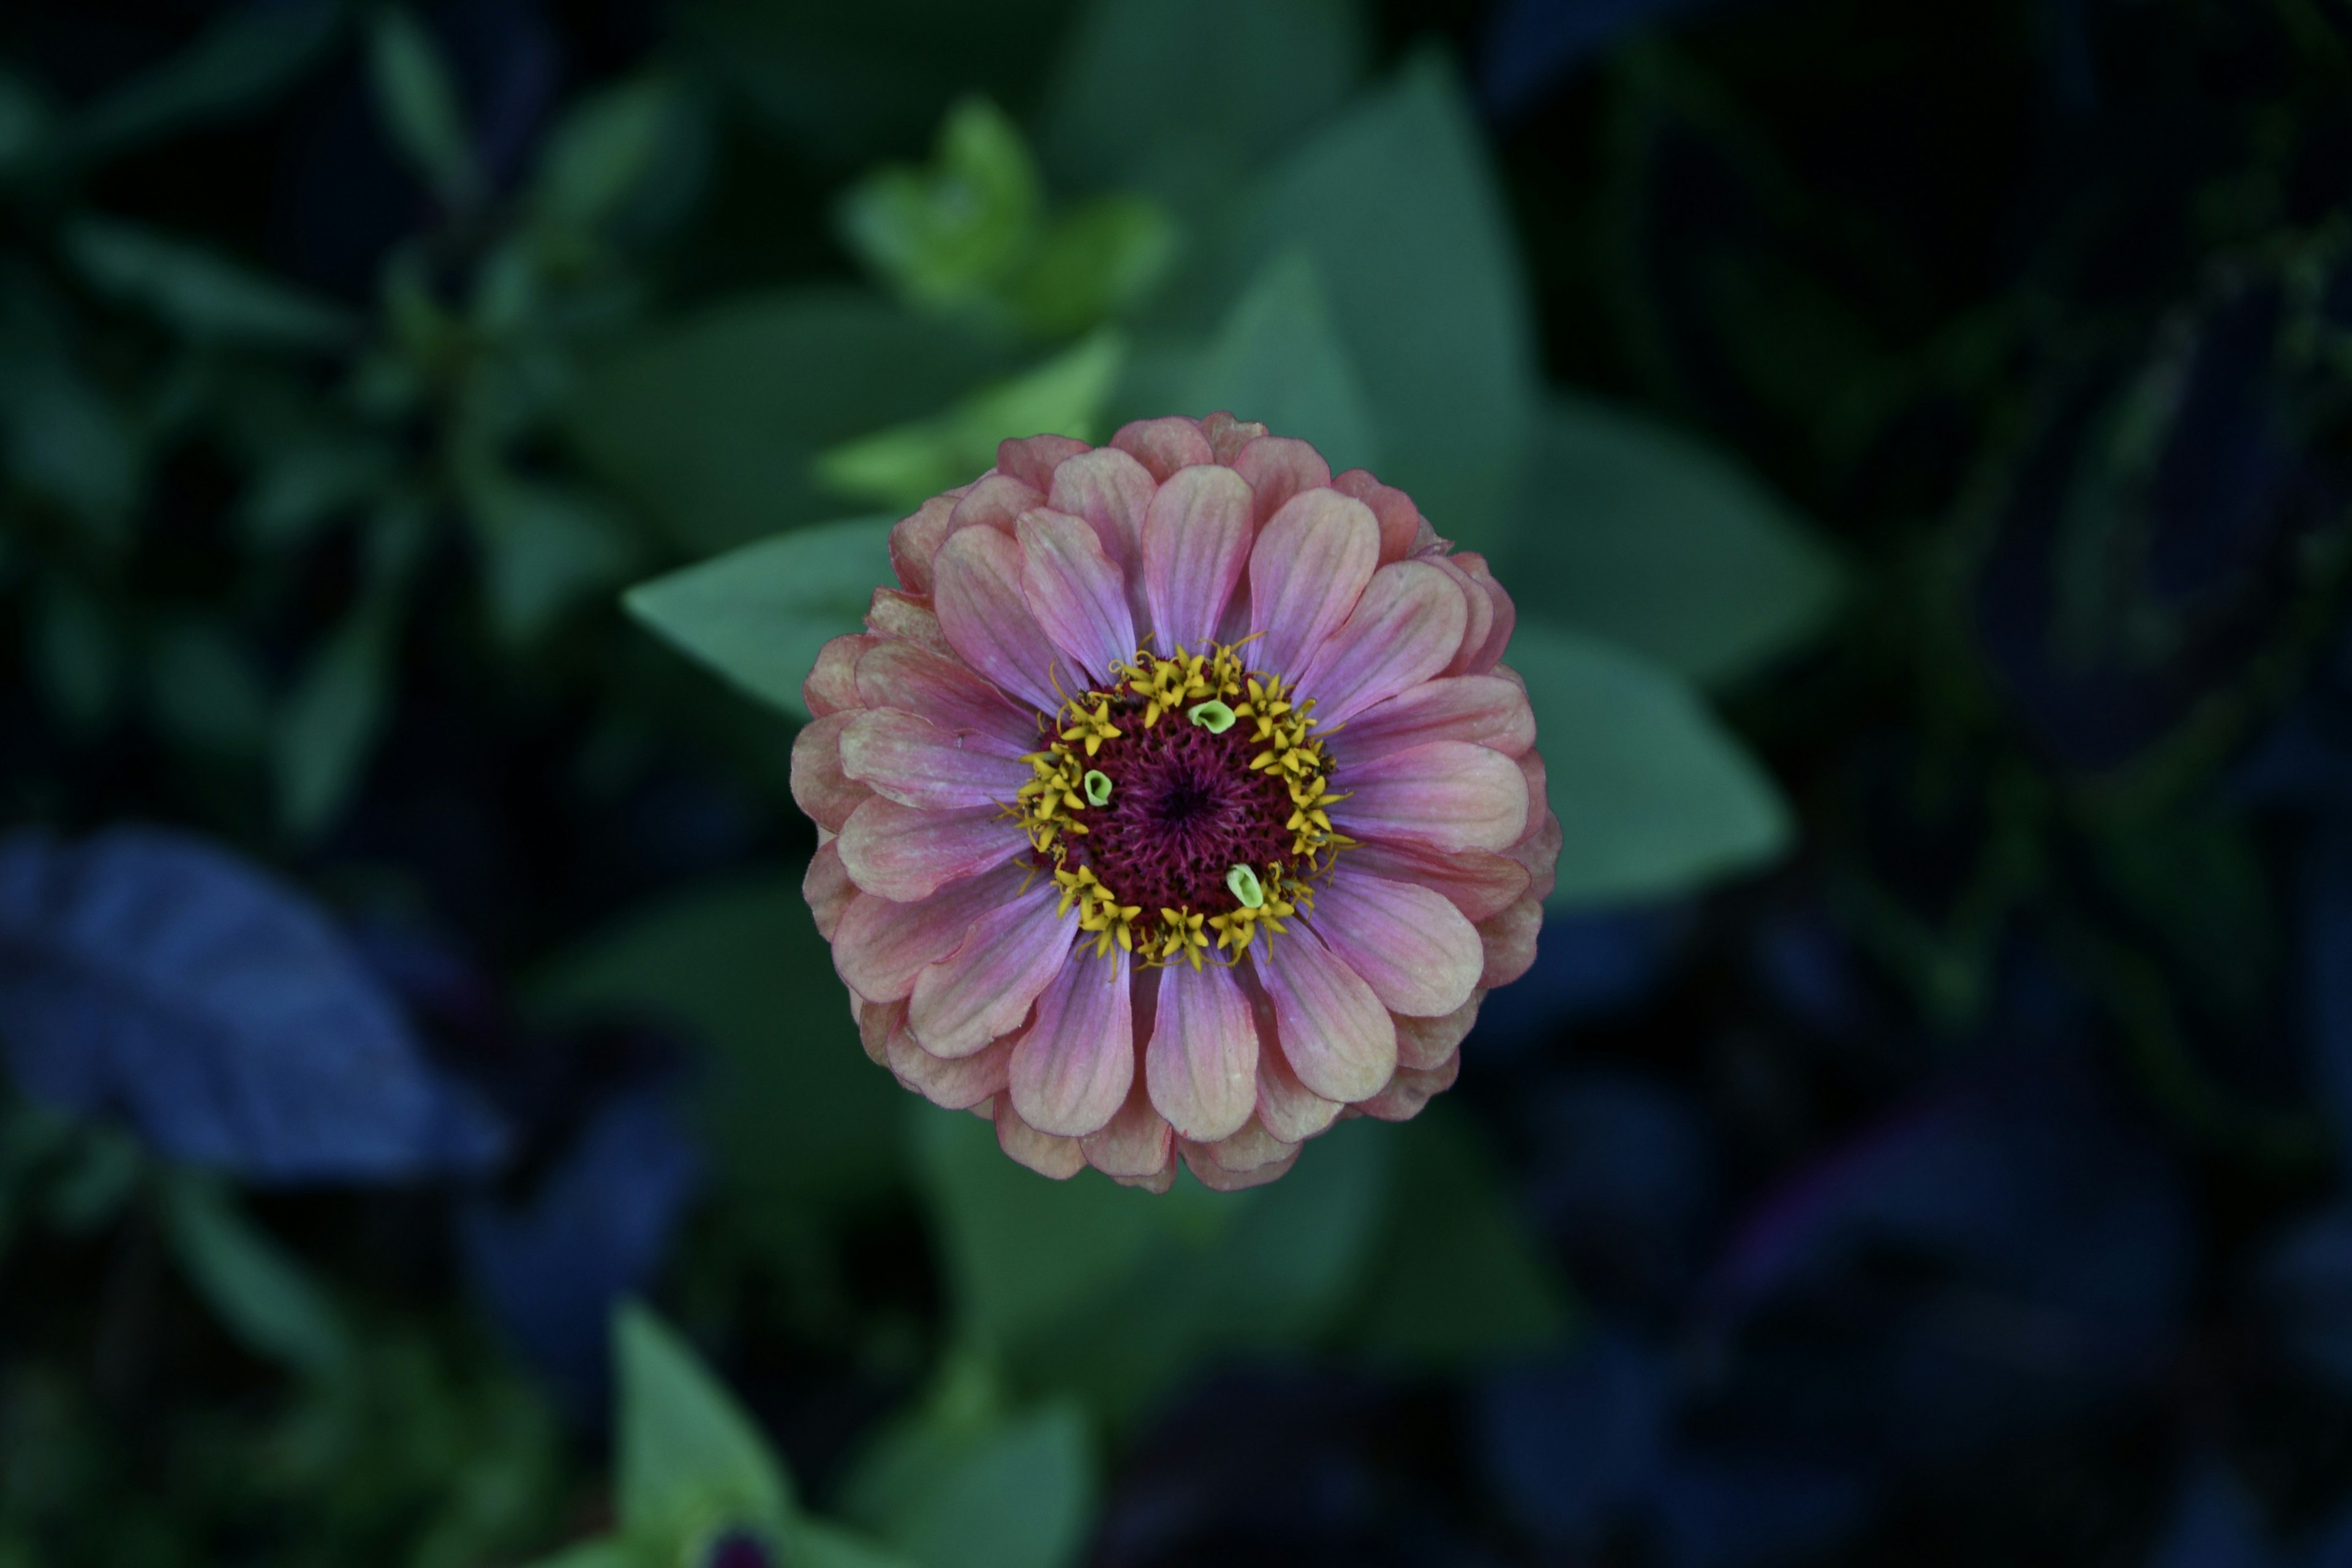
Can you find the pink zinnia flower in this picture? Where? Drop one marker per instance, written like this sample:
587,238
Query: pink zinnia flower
1175,801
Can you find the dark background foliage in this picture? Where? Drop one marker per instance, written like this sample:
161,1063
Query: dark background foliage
1917,436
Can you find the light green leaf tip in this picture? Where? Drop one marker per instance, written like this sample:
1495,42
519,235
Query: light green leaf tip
689,1461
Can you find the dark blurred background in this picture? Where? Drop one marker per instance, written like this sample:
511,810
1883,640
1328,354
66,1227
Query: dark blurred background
1917,438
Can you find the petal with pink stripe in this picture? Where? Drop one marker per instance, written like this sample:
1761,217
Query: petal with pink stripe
1406,629
1073,1066
903,853
914,761
1196,539
984,989
1337,1035
1306,571
986,618
1201,1064
1449,795
1077,595
1411,946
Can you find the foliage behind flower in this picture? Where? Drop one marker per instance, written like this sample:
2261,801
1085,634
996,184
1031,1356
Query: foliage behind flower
1176,800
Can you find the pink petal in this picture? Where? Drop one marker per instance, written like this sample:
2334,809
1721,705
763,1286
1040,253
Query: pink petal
1401,523
987,620
1074,1066
1112,491
1250,1149
1227,435
1060,1158
1401,632
916,537
1201,1064
1415,950
1165,445
997,502
957,1085
1291,1111
1479,609
937,687
1196,538
1485,710
875,1022
1449,795
1077,595
1510,941
880,947
1506,616
1158,1181
819,786
1031,460
908,615
914,761
1531,769
906,853
1425,1043
831,685
1337,1035
1478,882
985,987
1411,1088
1217,1179
1538,850
1278,468
827,888
1306,571
1136,1142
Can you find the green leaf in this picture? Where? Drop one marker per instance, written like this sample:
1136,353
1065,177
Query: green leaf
200,293
1097,260
1637,533
1410,239
1186,98
801,1117
64,438
329,722
24,122
759,615
419,105
1655,796
74,654
601,152
1115,1293
260,1293
1278,359
688,1460
545,549
612,1552
905,466
205,690
1457,1279
712,424
945,236
962,1484
245,55
812,1544
304,483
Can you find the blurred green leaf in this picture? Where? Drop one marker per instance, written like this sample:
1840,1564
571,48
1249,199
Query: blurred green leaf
946,236
544,550
601,152
759,615
904,466
1278,359
1096,261
961,1483
75,653
1115,1293
688,1460
302,483
418,103
1653,794
1410,239
25,122
1456,1277
712,424
244,55
100,1174
801,1117
1186,98
260,1293
65,438
200,293
329,722
1640,534
206,690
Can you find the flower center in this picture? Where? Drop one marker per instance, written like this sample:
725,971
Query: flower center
1182,810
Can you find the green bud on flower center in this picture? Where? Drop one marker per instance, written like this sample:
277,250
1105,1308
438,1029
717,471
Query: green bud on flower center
1098,784
1212,716
1242,882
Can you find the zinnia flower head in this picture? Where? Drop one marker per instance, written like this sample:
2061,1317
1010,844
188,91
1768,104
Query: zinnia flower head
1175,803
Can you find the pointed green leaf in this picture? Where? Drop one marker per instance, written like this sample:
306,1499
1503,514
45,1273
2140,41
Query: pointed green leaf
205,295
545,548
330,721
1655,796
759,615
602,151
418,101
1278,360
259,1291
1637,533
944,237
689,1459
242,57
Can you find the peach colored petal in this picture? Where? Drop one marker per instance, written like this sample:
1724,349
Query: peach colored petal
1485,710
1505,616
1158,1181
1031,460
1216,1178
1414,948
908,615
1227,435
827,888
916,537
903,853
831,685
1278,468
1448,794
1306,571
996,501
1401,524
819,786
985,986
1478,882
880,947
1479,609
1424,1043
1077,595
1250,1149
1510,942
875,1022
914,761
1336,1035
1411,1088
1165,445
1201,1063
1136,1142
957,1085
1112,491
1538,850
1073,1066
1060,1158
937,686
